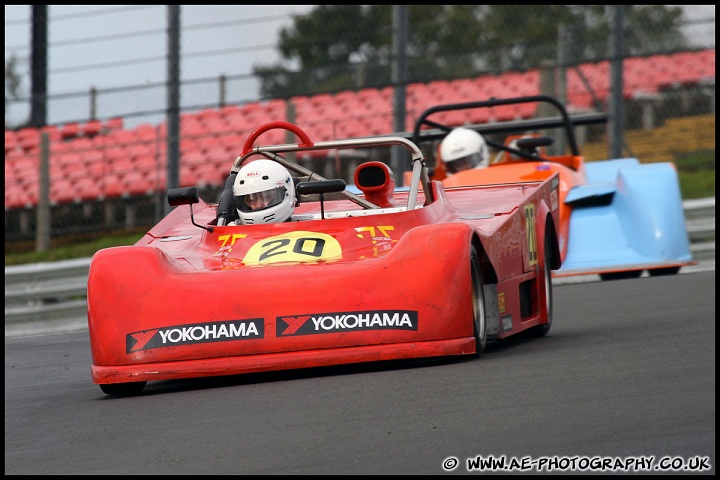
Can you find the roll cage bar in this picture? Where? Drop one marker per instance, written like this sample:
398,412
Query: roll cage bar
420,175
563,121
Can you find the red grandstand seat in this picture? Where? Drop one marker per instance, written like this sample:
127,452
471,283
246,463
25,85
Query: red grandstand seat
65,159
216,126
208,174
321,132
145,163
22,195
228,111
15,196
239,122
81,144
92,155
209,114
120,165
218,155
351,128
61,191
25,166
187,144
187,178
91,128
140,149
71,165
380,106
70,130
136,183
156,180
56,172
87,189
119,138
383,125
9,172
53,133
192,158
191,127
113,124
146,133
110,152
11,141
96,170
111,187
29,139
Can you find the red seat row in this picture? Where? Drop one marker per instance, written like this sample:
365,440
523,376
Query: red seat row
84,157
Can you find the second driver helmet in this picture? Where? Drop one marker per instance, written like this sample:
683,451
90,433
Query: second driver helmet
463,149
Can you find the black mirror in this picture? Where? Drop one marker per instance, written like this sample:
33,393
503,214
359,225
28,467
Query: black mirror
322,186
183,196
186,196
531,143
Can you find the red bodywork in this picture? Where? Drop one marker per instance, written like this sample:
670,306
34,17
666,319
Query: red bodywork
569,176
359,285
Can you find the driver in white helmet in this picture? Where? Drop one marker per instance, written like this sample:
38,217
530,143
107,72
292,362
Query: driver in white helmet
464,149
264,192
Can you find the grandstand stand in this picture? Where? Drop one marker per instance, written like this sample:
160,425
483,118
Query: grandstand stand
82,155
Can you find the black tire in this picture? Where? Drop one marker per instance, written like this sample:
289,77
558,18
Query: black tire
542,330
621,275
129,388
478,304
659,272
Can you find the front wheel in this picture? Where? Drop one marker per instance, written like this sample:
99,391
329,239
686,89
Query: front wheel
129,388
478,304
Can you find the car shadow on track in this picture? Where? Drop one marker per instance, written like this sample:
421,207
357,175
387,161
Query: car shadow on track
191,384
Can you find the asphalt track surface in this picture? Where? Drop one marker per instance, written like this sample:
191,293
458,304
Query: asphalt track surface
627,372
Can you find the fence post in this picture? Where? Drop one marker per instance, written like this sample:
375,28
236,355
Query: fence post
42,232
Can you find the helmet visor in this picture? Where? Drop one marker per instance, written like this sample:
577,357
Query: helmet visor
464,163
253,202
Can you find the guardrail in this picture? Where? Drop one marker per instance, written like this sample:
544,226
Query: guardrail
51,297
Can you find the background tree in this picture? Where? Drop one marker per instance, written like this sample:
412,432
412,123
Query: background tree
338,47
13,83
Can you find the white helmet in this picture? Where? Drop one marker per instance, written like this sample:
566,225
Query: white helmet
463,149
264,193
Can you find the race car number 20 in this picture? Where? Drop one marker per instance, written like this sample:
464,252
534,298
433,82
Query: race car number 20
294,247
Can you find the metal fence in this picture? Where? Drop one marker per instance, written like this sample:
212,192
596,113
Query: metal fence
667,111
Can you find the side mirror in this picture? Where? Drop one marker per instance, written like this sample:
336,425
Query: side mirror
320,187
186,196
183,196
531,143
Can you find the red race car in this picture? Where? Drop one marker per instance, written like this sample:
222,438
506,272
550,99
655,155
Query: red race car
382,274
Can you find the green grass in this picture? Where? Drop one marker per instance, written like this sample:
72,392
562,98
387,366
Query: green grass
696,174
77,250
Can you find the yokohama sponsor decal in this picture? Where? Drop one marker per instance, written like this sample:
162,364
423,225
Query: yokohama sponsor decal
347,322
195,334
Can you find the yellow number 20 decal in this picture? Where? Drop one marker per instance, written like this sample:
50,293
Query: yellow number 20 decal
294,247
531,236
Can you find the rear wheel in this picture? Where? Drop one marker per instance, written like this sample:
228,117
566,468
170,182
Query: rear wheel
621,275
542,330
478,304
658,272
129,388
